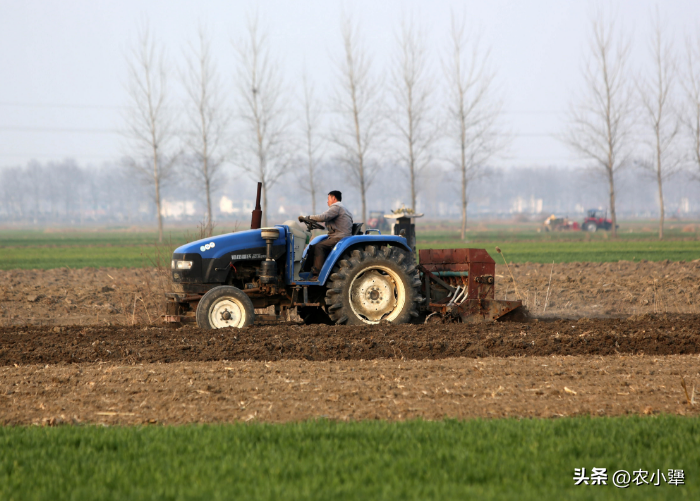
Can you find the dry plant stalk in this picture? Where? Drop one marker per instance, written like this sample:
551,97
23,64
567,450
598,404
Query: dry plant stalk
548,287
144,307
125,312
133,311
691,401
517,294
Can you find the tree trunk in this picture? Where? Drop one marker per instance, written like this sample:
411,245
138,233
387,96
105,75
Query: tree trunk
412,165
209,220
464,204
411,153
613,216
207,181
156,180
312,182
160,215
264,203
364,199
659,180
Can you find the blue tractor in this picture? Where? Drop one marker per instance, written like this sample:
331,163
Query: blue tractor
220,281
367,278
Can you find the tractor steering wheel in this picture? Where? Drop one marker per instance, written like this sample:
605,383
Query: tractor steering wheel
311,224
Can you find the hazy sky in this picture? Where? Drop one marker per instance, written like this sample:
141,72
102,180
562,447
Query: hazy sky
63,70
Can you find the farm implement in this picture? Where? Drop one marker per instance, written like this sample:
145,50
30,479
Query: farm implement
367,278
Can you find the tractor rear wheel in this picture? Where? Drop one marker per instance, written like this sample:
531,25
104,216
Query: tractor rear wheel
374,285
592,227
225,306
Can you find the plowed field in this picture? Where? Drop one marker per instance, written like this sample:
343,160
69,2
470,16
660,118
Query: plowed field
111,296
607,339
291,390
288,372
646,334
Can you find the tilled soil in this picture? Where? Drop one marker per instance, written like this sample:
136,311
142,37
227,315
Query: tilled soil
109,296
85,296
646,334
87,346
291,390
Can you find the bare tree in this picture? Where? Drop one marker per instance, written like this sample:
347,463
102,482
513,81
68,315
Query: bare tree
601,123
36,178
411,87
150,121
265,154
473,110
208,119
691,84
311,141
14,191
656,93
357,101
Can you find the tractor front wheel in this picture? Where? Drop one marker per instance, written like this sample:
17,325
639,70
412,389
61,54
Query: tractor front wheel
374,285
225,306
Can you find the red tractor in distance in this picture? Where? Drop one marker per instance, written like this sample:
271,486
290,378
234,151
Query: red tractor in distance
377,221
596,220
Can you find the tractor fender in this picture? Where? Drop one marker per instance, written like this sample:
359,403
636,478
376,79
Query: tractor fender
355,240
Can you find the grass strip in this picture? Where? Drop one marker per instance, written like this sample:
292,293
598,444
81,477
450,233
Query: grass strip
594,251
476,459
35,250
514,234
44,258
517,252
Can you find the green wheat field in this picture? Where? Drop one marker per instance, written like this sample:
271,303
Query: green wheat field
529,459
135,248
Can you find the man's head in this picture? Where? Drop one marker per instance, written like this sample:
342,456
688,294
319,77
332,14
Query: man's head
334,196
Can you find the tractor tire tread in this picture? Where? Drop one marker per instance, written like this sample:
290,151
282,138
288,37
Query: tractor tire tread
401,261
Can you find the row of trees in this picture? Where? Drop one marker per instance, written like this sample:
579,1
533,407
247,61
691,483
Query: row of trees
627,118
68,192
268,138
407,116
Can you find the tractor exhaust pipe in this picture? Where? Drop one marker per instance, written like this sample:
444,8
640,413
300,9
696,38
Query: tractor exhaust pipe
256,220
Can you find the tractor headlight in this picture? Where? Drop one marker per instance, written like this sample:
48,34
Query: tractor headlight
181,265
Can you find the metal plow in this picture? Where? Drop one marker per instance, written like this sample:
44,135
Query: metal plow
458,285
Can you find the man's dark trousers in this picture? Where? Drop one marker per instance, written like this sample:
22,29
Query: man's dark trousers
321,250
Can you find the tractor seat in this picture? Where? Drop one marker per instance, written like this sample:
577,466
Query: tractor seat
357,228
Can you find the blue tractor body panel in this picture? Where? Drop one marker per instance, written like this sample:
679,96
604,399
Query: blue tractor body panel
344,244
249,245
230,242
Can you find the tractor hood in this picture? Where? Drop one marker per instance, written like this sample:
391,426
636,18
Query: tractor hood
211,258
225,245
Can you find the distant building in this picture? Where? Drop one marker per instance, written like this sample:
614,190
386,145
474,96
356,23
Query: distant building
177,209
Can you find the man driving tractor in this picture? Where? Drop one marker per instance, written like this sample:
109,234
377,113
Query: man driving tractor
338,221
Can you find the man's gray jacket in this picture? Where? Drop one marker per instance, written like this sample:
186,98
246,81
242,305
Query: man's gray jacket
338,221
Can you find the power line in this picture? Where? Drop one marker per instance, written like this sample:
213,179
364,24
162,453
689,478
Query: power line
53,129
117,131
533,112
62,155
122,107
69,106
